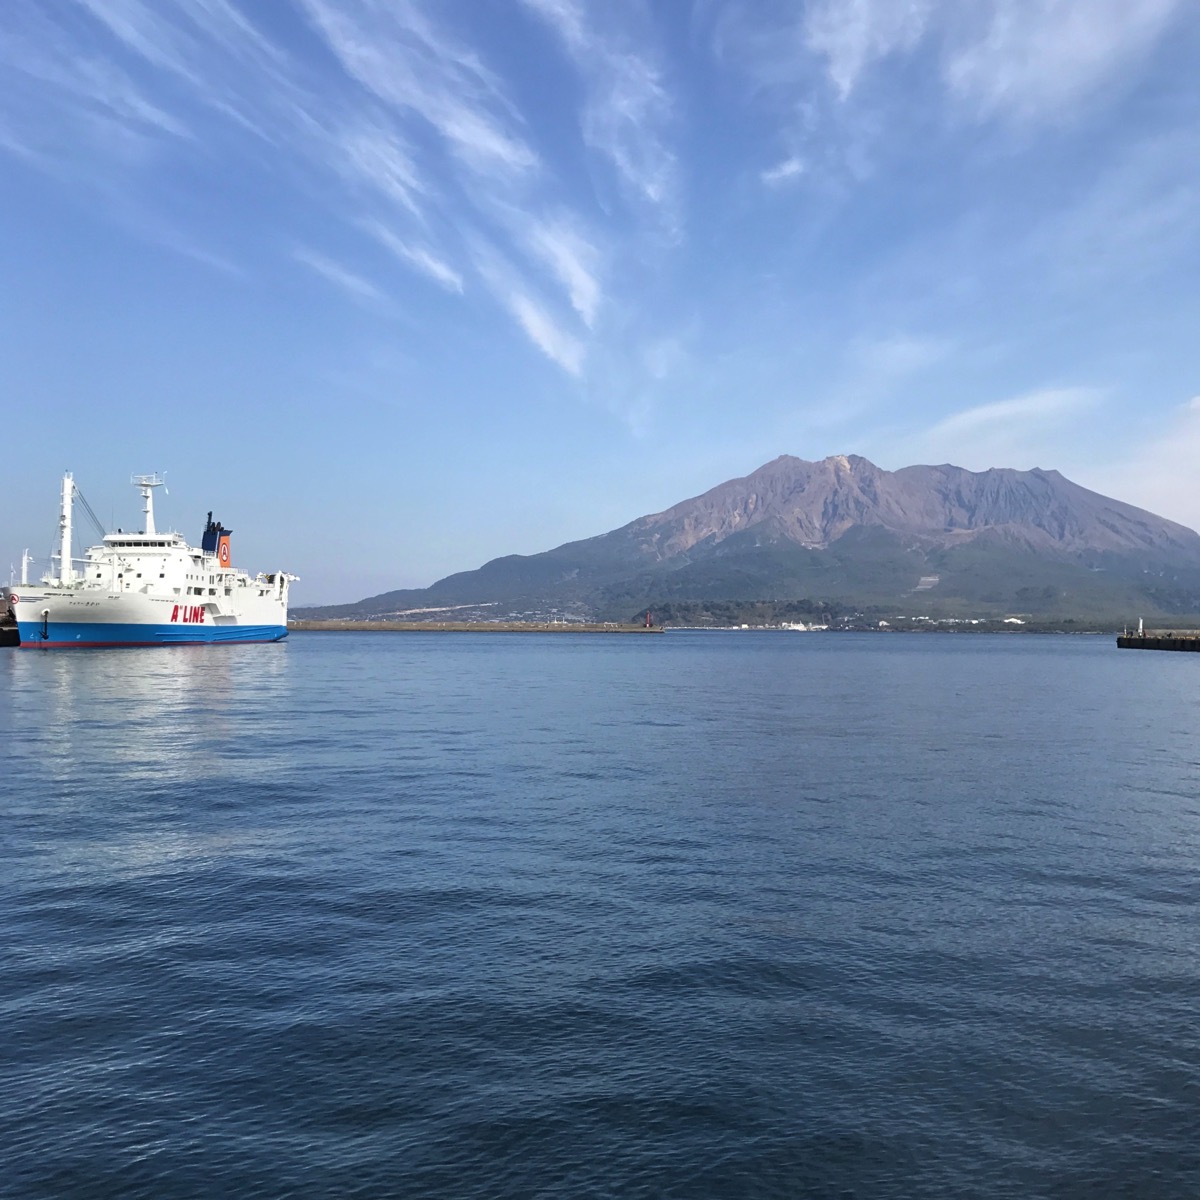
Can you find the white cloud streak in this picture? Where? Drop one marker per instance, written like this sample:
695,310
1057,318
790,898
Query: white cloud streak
413,69
1025,430
1022,62
399,56
571,259
530,313
1046,405
1035,58
143,31
80,89
1158,472
627,111
352,284
853,35
546,334
417,257
377,157
788,169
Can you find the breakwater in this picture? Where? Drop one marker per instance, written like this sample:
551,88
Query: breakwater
1157,639
467,627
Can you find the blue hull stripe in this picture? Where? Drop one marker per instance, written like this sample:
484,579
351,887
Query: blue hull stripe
81,634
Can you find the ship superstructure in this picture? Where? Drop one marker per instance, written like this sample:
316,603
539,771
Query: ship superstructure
147,589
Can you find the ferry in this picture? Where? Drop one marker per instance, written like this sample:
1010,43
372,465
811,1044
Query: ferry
146,588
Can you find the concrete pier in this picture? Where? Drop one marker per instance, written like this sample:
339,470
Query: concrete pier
1158,639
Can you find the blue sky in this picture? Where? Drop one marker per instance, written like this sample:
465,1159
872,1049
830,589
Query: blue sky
399,287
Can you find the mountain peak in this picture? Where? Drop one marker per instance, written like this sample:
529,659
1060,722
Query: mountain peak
844,527
814,504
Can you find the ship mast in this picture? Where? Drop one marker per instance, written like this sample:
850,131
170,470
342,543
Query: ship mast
147,483
65,574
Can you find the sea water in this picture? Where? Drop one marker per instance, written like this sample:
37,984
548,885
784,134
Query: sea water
730,915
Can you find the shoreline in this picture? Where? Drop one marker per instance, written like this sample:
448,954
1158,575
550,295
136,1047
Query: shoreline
301,626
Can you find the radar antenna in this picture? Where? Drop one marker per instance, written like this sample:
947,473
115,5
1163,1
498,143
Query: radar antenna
147,484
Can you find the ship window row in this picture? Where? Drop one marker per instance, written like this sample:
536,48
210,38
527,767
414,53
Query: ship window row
141,545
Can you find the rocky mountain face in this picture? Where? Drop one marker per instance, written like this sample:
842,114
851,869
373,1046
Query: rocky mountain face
925,538
813,504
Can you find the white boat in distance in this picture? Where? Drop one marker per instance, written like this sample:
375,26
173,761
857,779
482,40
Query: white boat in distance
147,589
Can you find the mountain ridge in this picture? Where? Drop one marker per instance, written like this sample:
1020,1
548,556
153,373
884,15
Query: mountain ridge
843,528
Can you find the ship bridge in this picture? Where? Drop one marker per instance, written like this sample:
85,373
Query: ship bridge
143,541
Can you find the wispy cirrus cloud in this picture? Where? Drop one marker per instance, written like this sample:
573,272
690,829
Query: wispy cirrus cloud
418,257
1032,60
555,342
875,374
532,313
14,145
61,97
788,168
1158,468
208,47
404,59
353,284
1046,404
1133,219
1025,430
850,36
628,110
390,119
1021,59
570,258
143,30
415,70
1018,62
409,117
374,155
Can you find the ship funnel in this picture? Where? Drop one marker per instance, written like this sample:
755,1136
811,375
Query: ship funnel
216,541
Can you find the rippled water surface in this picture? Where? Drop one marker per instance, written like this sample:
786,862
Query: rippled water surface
484,915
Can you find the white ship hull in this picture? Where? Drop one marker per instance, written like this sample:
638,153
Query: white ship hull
51,619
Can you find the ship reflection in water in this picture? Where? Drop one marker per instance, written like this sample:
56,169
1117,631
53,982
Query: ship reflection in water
159,724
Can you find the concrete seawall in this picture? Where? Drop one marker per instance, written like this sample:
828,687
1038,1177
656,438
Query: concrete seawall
464,627
1159,641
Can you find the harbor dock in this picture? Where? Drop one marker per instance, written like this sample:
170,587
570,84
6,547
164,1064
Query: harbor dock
1160,639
